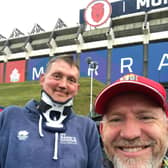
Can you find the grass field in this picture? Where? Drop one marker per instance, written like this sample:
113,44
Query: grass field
20,93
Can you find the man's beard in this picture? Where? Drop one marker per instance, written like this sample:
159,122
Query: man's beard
150,161
133,163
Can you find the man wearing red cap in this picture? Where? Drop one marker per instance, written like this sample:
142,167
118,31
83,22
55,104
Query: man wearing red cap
134,128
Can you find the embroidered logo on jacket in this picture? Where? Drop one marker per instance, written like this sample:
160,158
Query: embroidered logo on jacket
64,139
23,135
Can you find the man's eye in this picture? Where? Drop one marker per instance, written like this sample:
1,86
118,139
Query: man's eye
72,80
115,120
146,117
56,76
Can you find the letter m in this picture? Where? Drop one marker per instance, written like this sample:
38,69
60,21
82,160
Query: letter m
35,74
141,3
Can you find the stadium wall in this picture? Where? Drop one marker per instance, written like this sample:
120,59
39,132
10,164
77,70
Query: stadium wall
136,42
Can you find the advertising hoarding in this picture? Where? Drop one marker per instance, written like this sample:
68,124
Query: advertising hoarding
125,7
125,60
158,61
35,67
1,72
15,71
133,6
99,56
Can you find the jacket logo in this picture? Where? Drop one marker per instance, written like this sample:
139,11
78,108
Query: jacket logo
23,135
64,139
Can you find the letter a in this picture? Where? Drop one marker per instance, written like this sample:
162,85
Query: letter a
162,64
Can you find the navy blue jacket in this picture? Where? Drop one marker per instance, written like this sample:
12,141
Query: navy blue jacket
22,144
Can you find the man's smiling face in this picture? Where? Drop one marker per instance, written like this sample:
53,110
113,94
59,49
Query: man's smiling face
61,81
134,131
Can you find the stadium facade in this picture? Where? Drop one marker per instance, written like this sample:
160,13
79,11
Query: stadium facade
134,39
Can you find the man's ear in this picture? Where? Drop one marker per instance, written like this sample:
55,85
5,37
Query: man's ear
101,128
167,123
78,87
167,126
41,79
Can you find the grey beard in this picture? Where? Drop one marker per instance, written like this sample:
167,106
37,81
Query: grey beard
133,163
151,162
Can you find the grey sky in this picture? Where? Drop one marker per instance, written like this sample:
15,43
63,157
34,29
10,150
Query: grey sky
23,14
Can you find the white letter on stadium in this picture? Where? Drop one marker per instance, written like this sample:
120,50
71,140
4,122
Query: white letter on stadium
127,65
162,64
154,3
143,3
165,1
37,74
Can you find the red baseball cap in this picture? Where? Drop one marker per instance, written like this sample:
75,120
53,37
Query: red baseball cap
131,82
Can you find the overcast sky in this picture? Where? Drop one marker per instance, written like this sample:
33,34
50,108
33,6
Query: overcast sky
24,14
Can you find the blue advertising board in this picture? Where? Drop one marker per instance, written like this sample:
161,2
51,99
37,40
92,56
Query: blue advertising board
99,56
125,7
158,61
126,60
35,67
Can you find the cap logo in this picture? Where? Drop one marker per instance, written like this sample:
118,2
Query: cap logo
128,77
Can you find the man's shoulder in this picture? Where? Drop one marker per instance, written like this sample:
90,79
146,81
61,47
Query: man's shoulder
17,109
12,108
12,111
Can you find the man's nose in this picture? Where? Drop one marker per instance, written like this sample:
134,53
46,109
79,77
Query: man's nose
130,130
63,83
